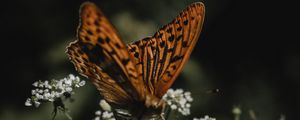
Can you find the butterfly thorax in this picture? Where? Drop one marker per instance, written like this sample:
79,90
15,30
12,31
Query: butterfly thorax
152,101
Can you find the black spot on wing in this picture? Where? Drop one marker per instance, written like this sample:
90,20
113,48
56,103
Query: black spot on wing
113,52
100,40
86,38
141,62
125,61
179,37
107,39
118,46
88,23
88,15
89,32
184,44
71,48
136,55
176,58
83,69
160,35
85,60
171,38
169,74
169,30
162,43
80,52
147,39
173,67
98,30
185,22
171,50
133,49
96,23
77,60
179,28
94,53
76,54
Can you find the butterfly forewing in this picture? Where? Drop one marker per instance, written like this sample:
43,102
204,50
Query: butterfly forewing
160,58
100,55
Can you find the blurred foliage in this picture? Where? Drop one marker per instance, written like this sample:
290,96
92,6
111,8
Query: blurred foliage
244,50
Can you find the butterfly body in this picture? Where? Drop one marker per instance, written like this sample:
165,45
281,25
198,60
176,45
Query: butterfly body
137,75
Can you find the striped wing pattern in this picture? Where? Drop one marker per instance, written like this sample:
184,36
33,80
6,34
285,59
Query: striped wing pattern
160,59
100,55
142,71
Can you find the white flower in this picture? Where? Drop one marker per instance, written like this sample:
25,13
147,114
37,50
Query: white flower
188,105
37,104
71,77
59,85
46,90
189,98
35,84
77,79
178,91
38,96
97,118
82,83
182,102
107,115
28,102
69,89
98,112
185,112
173,107
47,95
46,83
41,91
40,84
179,100
33,92
169,102
236,110
50,90
206,117
104,105
68,82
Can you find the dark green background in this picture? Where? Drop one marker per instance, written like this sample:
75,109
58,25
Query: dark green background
249,50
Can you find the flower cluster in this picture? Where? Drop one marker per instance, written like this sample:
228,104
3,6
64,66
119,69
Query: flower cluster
206,117
49,91
179,100
106,114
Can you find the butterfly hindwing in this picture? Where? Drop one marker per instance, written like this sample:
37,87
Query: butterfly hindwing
160,58
100,55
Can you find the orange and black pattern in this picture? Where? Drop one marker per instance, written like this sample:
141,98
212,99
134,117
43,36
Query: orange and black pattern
160,58
142,71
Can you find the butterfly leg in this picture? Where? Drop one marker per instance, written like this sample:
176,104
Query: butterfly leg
162,104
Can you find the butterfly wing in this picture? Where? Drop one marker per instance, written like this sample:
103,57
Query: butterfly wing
160,58
100,55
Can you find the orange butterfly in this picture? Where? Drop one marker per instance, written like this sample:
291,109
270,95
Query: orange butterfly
136,76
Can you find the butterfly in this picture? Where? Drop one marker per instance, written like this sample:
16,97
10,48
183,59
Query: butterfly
134,76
